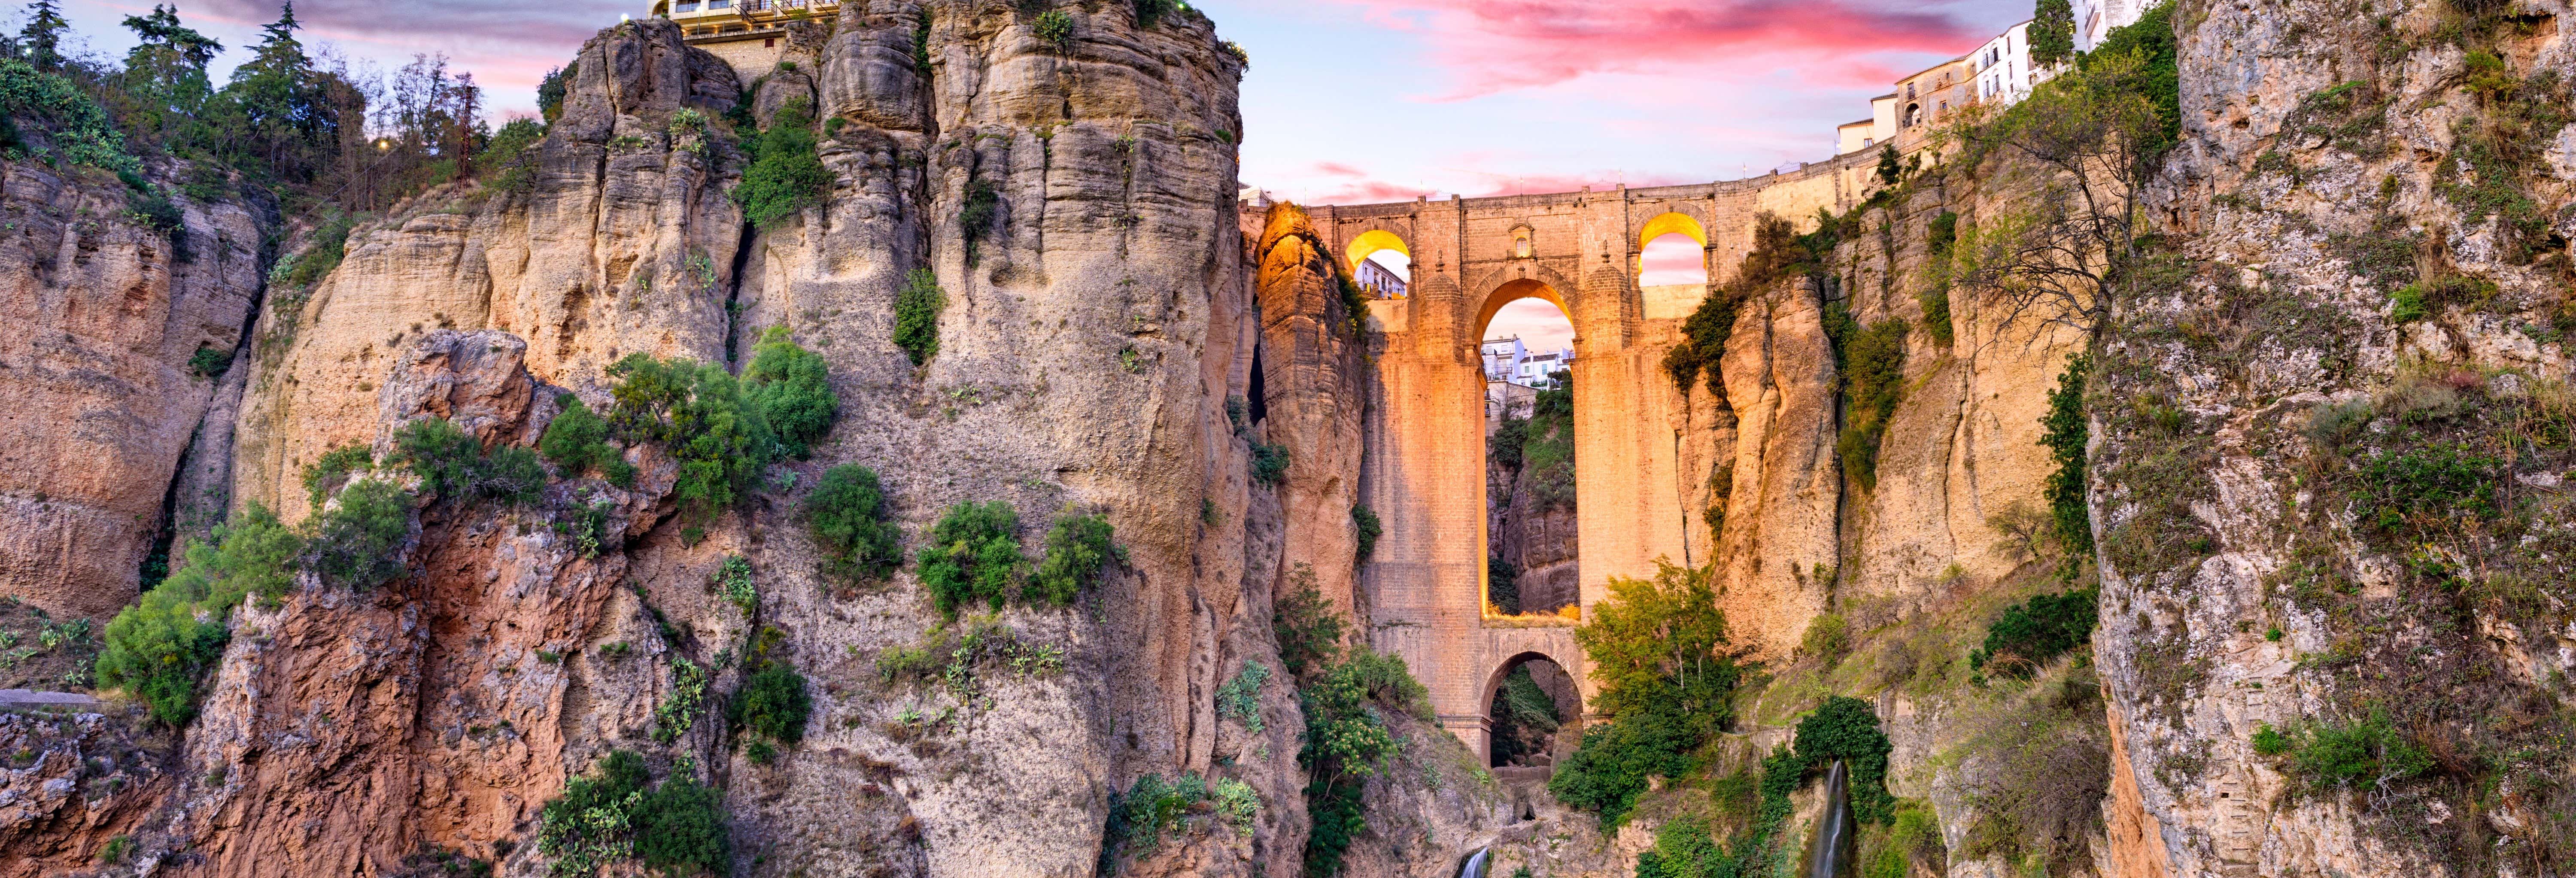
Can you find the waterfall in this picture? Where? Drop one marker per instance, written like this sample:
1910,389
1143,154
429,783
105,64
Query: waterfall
1829,852
1475,865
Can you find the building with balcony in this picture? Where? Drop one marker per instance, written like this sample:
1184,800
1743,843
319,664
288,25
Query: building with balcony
751,35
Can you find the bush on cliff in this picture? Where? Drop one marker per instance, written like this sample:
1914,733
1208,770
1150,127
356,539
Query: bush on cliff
327,474
916,316
792,388
159,648
577,441
1078,549
786,176
698,413
973,556
355,544
453,465
615,812
2033,633
847,514
774,704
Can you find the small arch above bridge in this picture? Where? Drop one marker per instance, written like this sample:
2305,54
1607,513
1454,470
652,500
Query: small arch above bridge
1369,243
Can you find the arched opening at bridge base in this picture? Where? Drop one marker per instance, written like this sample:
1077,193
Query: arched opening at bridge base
1527,352
1533,710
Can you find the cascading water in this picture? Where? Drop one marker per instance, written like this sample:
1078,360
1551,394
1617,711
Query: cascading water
1475,865
1829,852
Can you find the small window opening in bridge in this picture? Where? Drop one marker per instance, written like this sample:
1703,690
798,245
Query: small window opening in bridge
1528,359
1533,714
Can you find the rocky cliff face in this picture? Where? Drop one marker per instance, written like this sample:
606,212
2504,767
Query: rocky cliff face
104,376
1093,331
2328,491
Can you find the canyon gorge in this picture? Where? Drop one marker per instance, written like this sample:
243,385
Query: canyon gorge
912,457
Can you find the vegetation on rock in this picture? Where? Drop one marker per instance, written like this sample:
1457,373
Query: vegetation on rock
850,520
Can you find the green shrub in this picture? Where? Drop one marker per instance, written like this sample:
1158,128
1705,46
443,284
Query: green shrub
1365,523
1944,230
2364,756
2424,488
734,582
979,213
1077,549
973,556
509,160
1150,12
1307,627
327,474
848,516
2031,634
159,648
774,703
1828,637
80,131
1346,742
786,176
916,316
1873,364
1354,308
355,543
680,827
577,441
1054,28
1269,463
210,362
1139,817
592,823
1240,697
2269,741
697,411
1847,729
1778,254
453,465
792,388
2066,432
1936,314
1506,445
2151,39
2052,33
2409,305
323,250
1547,455
1667,677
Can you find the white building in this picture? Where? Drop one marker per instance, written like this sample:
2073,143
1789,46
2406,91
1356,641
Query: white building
2094,19
2002,66
1509,360
2000,70
1379,280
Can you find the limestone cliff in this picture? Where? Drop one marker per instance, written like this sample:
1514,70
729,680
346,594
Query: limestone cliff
104,373
2327,490
1094,328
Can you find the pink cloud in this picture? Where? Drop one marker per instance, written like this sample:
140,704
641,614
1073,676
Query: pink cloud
1493,46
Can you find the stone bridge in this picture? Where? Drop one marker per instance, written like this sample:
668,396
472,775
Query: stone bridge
1424,471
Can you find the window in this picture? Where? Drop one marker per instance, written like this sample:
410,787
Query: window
719,4
770,43
688,6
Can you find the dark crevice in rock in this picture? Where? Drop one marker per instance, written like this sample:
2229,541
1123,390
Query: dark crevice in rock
733,292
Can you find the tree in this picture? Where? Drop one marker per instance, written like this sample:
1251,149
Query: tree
1889,170
2052,33
2100,134
1662,642
164,88
41,41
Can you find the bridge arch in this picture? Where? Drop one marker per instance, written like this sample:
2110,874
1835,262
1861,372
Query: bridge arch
1368,243
1568,696
1674,222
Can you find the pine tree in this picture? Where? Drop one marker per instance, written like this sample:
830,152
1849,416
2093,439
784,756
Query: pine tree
2052,33
42,39
161,32
1888,170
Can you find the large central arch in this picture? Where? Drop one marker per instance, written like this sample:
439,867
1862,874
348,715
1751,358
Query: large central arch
1423,470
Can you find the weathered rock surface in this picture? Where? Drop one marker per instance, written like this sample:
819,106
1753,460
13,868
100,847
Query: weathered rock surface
102,401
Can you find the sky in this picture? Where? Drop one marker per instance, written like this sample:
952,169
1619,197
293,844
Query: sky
1353,101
